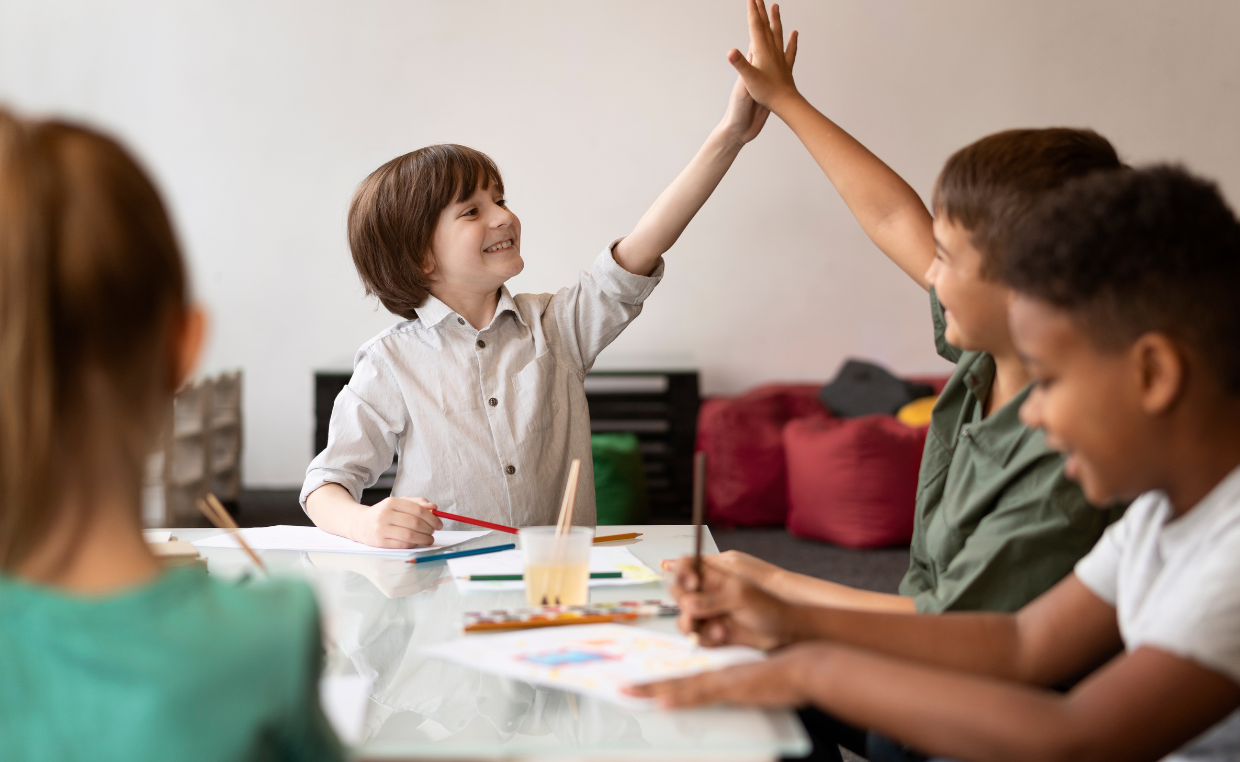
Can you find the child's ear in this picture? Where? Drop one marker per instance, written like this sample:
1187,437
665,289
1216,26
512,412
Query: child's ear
1161,365
187,340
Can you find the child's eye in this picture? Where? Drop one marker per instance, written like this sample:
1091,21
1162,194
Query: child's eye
502,202
470,212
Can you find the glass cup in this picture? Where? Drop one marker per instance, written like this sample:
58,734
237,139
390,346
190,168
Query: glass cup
557,568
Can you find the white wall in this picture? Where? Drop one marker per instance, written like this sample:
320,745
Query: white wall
259,117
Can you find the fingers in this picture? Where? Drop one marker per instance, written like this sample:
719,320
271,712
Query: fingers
742,66
790,55
763,18
685,691
418,508
777,26
405,537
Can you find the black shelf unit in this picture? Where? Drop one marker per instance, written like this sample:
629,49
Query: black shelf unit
660,407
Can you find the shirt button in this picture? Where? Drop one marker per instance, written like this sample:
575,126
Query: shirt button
492,402
481,344
461,321
511,470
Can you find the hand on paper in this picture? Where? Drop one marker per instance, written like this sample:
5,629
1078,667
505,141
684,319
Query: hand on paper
776,682
732,610
396,523
767,70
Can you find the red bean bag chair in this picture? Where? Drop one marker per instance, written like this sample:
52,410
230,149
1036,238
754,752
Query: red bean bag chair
853,481
741,437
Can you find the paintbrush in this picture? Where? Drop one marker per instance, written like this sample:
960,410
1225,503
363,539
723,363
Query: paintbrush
699,509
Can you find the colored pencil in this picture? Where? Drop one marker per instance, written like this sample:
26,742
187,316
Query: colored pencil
460,554
519,577
217,515
625,536
475,522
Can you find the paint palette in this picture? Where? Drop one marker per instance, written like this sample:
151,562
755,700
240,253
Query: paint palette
554,616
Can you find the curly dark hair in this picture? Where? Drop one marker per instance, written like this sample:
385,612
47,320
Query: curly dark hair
1132,251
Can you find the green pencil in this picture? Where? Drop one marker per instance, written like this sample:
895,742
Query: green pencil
519,577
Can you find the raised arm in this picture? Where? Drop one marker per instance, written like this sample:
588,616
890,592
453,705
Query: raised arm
889,210
671,212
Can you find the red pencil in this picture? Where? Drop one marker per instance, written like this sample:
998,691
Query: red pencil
475,522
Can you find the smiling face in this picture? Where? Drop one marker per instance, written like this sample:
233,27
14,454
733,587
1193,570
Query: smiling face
476,245
1099,408
975,307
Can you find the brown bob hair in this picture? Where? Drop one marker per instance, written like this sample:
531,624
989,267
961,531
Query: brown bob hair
92,289
394,212
989,186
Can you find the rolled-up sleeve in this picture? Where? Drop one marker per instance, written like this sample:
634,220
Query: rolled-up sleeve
368,419
591,314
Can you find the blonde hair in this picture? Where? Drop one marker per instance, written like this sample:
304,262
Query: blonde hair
92,289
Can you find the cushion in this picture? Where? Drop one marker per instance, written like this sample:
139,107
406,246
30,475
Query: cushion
863,388
741,436
853,482
619,479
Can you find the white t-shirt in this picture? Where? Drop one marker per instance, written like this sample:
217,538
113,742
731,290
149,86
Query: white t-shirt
1175,586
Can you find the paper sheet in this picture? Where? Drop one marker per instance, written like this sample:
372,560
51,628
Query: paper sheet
315,539
593,659
157,536
509,562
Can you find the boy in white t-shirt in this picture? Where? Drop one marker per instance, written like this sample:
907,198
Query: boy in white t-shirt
1127,313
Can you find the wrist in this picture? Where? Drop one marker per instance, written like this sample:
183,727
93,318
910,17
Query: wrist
726,139
809,670
800,623
785,101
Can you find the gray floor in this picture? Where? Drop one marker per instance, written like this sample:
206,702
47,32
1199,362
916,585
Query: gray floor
878,570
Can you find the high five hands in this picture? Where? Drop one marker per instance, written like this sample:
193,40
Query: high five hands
767,71
745,117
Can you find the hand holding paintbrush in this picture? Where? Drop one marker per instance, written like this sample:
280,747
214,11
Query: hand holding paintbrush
699,510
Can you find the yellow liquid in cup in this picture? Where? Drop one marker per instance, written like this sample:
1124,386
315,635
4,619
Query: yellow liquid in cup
566,585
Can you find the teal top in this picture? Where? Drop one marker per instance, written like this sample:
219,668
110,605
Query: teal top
183,668
997,523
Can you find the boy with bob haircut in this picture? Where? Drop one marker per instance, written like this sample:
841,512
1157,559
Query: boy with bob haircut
996,522
481,392
1127,317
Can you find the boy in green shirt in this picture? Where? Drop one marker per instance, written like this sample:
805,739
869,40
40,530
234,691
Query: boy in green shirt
996,522
104,655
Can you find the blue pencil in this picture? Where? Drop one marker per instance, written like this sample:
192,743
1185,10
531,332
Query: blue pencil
460,553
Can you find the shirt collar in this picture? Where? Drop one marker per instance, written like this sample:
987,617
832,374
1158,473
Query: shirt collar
1220,507
433,312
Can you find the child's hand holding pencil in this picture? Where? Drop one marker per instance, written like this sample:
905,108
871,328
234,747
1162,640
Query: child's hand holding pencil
726,610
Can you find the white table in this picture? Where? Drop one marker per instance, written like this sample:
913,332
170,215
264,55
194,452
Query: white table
378,613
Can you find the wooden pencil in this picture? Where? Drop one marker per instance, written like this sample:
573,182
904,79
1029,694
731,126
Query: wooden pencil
613,537
215,512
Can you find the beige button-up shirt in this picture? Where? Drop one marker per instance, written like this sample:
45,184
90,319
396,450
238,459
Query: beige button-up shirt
485,422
